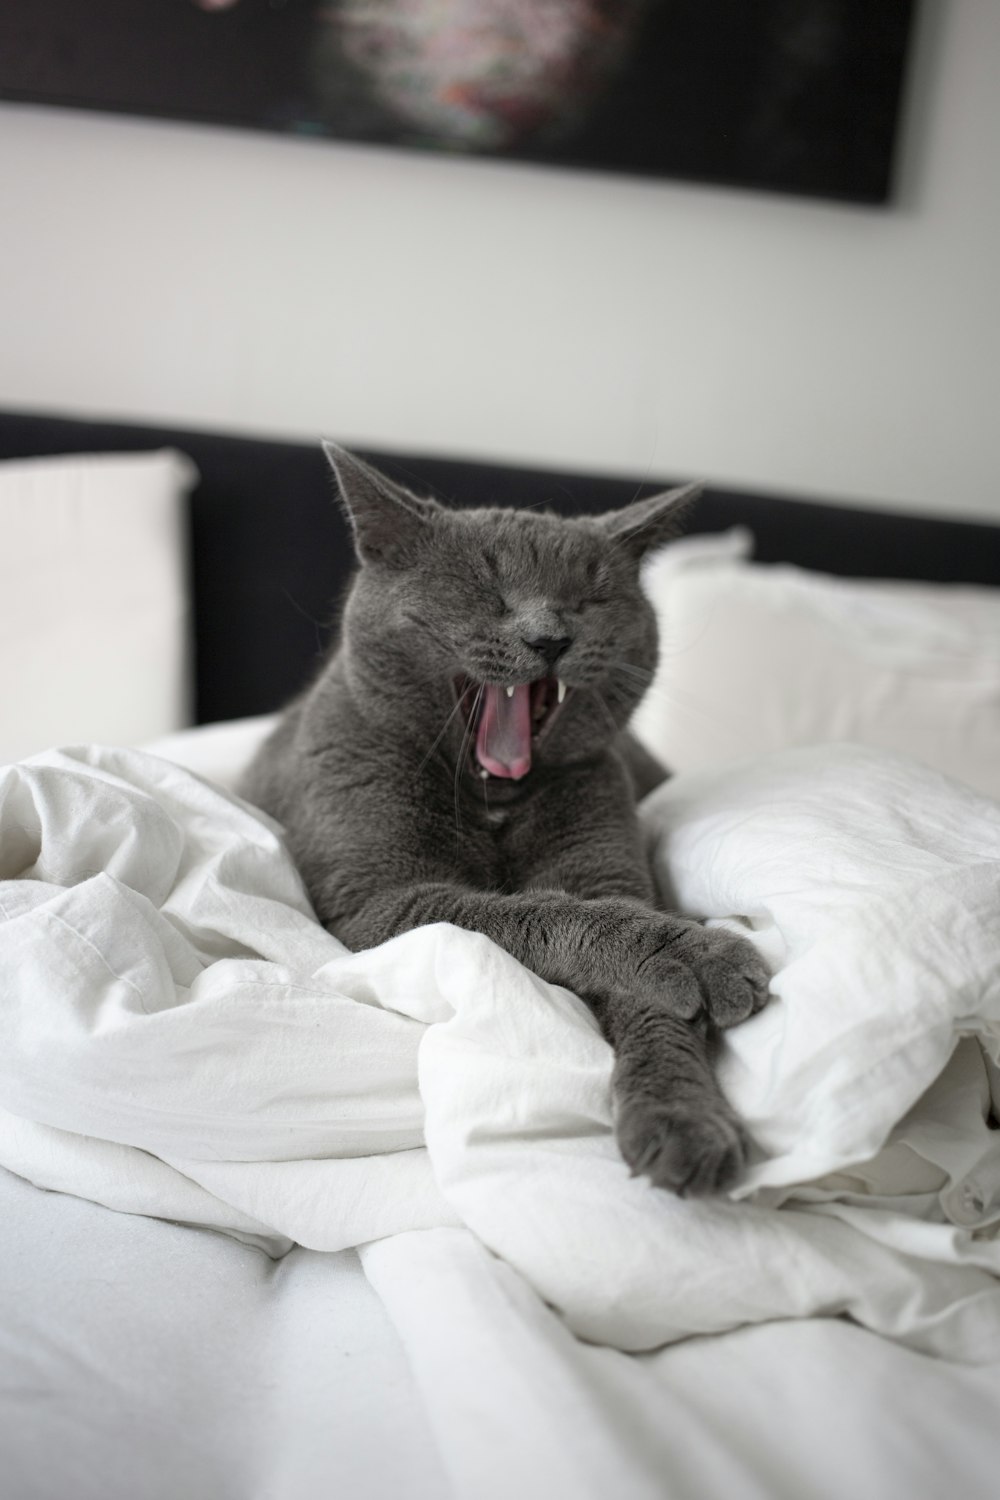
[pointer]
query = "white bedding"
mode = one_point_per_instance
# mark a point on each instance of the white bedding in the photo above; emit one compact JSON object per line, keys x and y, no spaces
{"x":180,"y":1039}
{"x":143,"y":1359}
{"x":140,"y":1360}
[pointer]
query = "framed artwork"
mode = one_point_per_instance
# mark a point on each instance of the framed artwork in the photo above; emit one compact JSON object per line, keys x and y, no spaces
{"x":798,"y":96}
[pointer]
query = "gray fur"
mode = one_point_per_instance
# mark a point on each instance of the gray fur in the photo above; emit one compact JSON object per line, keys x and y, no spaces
{"x":370,"y":772}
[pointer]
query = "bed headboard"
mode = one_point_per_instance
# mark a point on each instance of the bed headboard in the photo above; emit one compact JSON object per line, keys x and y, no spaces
{"x":270,"y":551}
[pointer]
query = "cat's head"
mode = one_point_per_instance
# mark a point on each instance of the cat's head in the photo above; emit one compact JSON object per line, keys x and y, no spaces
{"x":534,"y":624}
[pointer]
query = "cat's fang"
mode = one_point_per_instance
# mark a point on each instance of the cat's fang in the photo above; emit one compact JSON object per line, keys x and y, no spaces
{"x":510,"y":692}
{"x":561,"y":689}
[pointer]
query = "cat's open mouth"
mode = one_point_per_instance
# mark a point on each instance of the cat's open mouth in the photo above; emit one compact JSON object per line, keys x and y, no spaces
{"x":506,"y":723}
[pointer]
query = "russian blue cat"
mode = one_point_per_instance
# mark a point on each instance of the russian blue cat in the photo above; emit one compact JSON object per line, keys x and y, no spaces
{"x":462,"y":756}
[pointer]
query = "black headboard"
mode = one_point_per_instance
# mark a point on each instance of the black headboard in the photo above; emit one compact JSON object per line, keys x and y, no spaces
{"x":270,"y":551}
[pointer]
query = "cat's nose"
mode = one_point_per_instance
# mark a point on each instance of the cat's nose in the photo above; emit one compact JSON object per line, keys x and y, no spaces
{"x":551,"y":647}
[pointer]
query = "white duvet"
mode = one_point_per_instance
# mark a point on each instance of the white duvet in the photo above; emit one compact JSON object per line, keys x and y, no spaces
{"x":179,"y":1037}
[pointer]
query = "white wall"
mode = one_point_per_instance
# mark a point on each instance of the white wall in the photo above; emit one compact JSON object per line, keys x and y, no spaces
{"x":256,"y":283}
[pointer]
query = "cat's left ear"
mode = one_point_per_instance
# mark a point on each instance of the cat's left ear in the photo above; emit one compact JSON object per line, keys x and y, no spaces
{"x":647,"y":524}
{"x":388,"y":522}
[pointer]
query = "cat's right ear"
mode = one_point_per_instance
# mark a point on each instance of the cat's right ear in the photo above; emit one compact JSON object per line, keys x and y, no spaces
{"x":389,"y":524}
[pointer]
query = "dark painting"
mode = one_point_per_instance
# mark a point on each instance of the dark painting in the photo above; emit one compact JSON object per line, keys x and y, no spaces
{"x":797,"y":96}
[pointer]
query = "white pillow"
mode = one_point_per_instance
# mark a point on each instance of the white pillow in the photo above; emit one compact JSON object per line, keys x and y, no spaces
{"x":219,"y":752}
{"x":93,"y":599}
{"x":756,"y":658}
{"x":872,"y":888}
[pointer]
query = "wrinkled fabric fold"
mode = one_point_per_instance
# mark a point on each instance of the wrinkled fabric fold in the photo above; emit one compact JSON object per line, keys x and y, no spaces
{"x":179,"y":1037}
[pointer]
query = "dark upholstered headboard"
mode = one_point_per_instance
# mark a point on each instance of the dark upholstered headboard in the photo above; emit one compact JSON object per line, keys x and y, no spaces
{"x":270,"y":551}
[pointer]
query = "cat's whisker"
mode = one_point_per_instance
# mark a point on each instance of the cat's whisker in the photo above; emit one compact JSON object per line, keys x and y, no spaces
{"x":641,"y":674}
{"x":615,"y":727}
{"x":676,"y":697}
{"x":657,"y":515}
{"x":319,"y":625}
{"x":671,"y":646}
{"x":414,"y":619}
{"x":464,"y":749}
{"x":644,"y":480}
{"x":439,"y":737}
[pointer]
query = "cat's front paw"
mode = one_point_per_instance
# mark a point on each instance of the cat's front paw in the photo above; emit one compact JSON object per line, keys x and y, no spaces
{"x":732,"y":976}
{"x":680,"y":1148}
{"x":688,"y":970}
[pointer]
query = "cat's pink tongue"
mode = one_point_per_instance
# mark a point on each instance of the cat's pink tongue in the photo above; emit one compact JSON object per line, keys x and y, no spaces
{"x":503,"y":741}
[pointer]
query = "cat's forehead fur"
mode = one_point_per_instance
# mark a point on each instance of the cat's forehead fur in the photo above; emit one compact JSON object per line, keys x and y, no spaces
{"x":524,"y":540}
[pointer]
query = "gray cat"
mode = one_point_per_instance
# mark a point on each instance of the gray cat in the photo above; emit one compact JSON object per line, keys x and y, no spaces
{"x":462,"y":757}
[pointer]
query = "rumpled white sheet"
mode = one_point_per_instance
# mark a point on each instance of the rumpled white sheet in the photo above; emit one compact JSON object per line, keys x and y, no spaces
{"x":180,"y":1038}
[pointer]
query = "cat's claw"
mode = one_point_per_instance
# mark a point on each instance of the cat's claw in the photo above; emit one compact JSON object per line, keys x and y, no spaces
{"x":684,"y":1152}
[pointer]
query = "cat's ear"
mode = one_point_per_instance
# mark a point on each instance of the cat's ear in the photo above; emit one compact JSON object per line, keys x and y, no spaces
{"x":646,"y":524}
{"x":389,"y":523}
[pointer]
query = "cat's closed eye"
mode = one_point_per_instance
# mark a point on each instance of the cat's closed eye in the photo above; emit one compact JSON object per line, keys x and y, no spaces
{"x":489,"y":594}
{"x":487,"y":577}
{"x":493,"y":595}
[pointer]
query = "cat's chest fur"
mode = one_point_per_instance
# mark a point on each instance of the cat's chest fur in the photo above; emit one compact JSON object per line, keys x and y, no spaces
{"x":515,"y":842}
{"x":495,"y":841}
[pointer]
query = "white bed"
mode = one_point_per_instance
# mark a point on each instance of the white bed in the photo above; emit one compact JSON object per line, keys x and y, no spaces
{"x":153,"y":1358}
{"x":143,"y":1359}
{"x":239,"y":1259}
